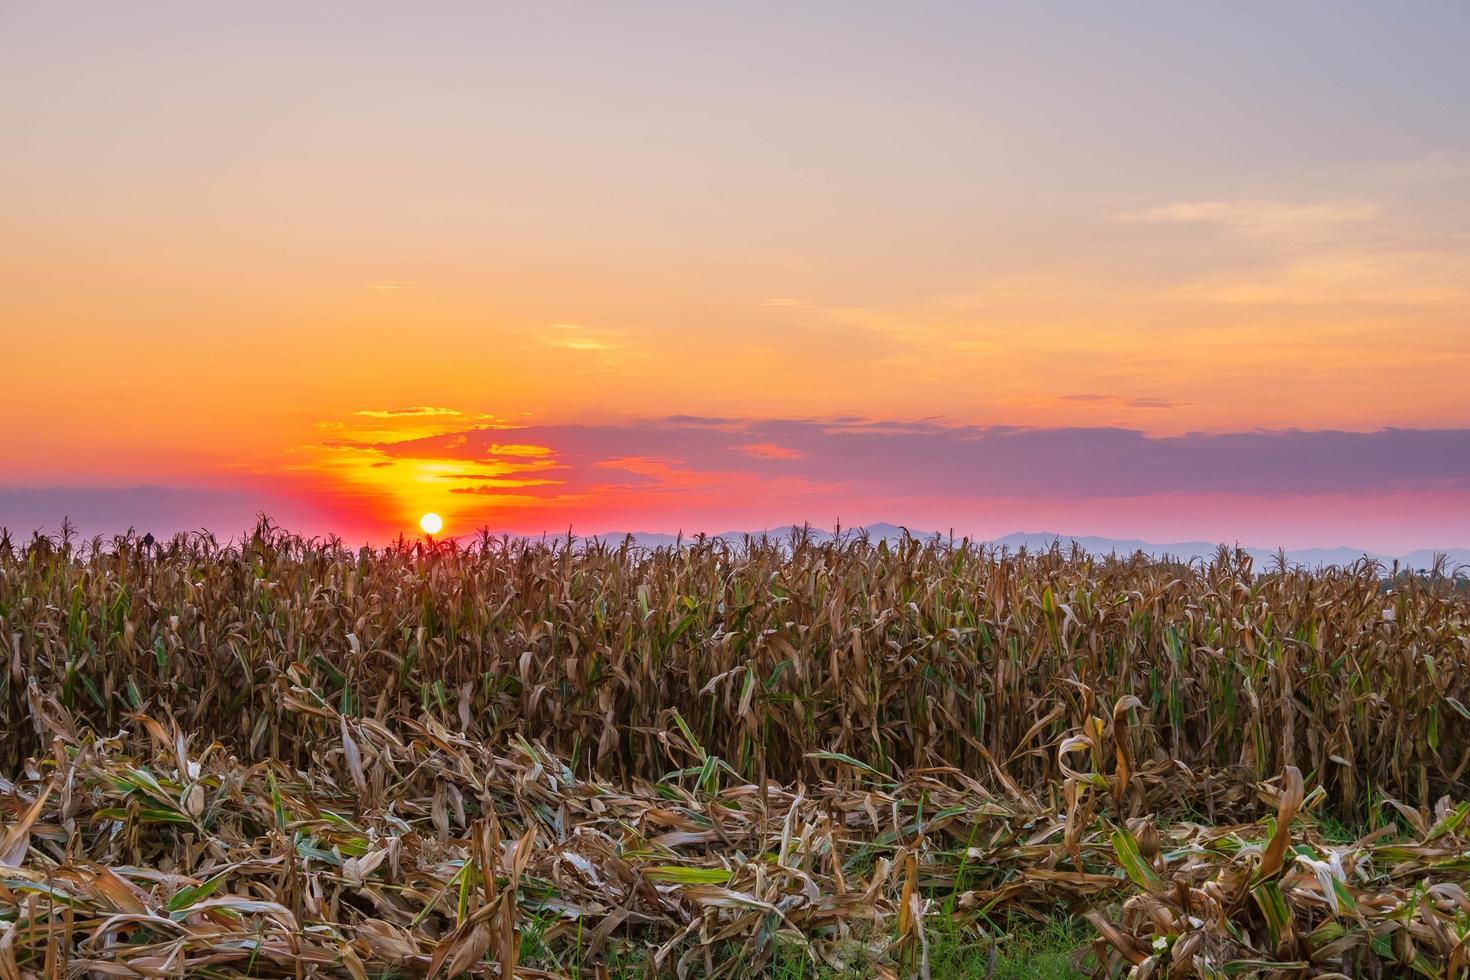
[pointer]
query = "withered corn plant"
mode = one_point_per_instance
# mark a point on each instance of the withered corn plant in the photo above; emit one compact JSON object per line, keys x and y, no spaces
{"x":505,"y":758}
{"x":910,"y":655}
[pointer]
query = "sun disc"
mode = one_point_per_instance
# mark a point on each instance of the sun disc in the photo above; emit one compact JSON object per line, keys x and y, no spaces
{"x":431,"y":523}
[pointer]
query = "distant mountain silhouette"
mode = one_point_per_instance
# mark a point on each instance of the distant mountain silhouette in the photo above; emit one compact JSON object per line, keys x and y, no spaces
{"x":1034,"y":541}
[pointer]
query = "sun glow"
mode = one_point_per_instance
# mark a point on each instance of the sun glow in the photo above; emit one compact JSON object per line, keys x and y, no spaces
{"x":431,"y":523}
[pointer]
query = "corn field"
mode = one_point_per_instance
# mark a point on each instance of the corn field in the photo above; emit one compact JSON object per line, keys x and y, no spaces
{"x":289,"y":757}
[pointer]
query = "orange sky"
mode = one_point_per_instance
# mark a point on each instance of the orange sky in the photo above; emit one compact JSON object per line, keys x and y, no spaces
{"x":228,"y":233}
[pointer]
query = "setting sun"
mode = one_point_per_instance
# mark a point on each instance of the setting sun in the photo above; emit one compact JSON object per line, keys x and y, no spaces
{"x":431,"y":523}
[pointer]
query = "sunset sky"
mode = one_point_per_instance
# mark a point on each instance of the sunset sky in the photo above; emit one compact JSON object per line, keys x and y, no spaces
{"x":1157,"y":270}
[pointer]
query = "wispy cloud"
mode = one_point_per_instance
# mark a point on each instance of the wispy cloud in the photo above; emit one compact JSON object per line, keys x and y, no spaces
{"x":1120,"y":401}
{"x":516,"y":449}
{"x":413,"y":411}
{"x":1360,"y":277}
{"x":575,"y":336}
{"x":769,"y":450}
{"x":1329,"y":253}
{"x":489,"y":487}
{"x":1429,"y":169}
{"x":1271,"y":221}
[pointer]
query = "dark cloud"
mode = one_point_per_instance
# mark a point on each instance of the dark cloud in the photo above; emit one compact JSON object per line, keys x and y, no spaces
{"x":161,"y":510}
{"x":817,"y":468}
{"x":929,"y":457}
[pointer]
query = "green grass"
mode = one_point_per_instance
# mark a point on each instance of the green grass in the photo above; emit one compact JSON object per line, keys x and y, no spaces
{"x":1028,"y":951}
